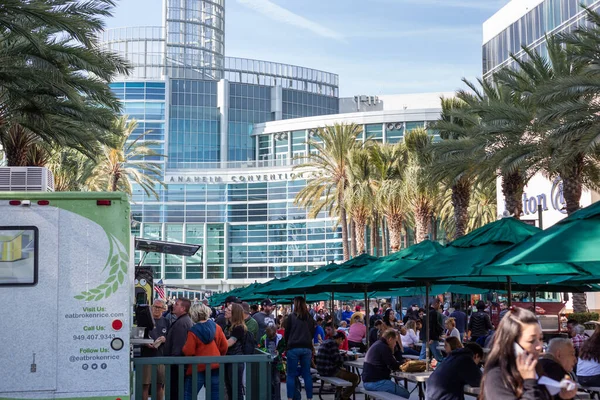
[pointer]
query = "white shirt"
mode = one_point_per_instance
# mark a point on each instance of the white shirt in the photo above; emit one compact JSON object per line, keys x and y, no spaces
{"x":587,"y":368}
{"x":455,"y":333}
{"x":409,"y":339}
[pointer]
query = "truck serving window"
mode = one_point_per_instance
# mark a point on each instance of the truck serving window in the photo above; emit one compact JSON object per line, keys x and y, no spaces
{"x":18,"y":255}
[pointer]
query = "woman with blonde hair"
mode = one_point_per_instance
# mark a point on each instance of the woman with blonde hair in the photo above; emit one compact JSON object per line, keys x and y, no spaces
{"x":206,"y":339}
{"x":451,"y":330}
{"x":235,"y":333}
{"x":409,"y":338}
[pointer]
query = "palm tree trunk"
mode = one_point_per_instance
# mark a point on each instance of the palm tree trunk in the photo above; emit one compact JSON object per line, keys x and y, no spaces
{"x":461,"y":194}
{"x":395,"y":228}
{"x":352,"y":238}
{"x":344,"y":222}
{"x":572,"y":188}
{"x":374,"y":235}
{"x":384,"y":237}
{"x":114,"y":182}
{"x":360,"y":225}
{"x":423,"y":215}
{"x":512,"y":189}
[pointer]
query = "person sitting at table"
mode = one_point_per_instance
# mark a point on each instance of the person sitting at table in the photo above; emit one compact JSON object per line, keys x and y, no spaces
{"x":389,"y":318}
{"x":557,"y":363}
{"x":357,"y":332}
{"x":452,"y":343}
{"x":409,"y":338}
{"x":379,"y":363}
{"x":330,"y":333}
{"x":460,"y":368}
{"x":451,"y":330}
{"x":376,"y":331}
{"x":588,"y":364}
{"x":329,"y":362}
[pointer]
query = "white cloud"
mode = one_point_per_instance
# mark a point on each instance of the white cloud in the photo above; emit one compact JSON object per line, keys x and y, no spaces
{"x":280,"y":14}
{"x":442,"y":32}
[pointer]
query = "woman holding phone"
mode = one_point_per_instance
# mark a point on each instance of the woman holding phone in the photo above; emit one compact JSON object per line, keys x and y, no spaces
{"x":510,"y":366}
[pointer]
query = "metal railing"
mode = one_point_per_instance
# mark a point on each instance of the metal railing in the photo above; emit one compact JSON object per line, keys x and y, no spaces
{"x":257,"y":368}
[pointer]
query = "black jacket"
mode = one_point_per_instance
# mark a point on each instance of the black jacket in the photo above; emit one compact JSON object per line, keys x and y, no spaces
{"x":451,"y":375}
{"x":299,"y":333}
{"x":379,"y":362}
{"x":177,"y":335}
{"x":435,"y":326}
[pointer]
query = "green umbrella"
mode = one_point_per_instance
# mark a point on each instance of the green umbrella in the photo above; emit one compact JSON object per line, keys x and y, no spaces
{"x":461,"y":260}
{"x":283,"y":285}
{"x":380,"y":274}
{"x":571,"y":246}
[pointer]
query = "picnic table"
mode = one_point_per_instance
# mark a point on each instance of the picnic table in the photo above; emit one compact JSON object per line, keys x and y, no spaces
{"x":420,"y":378}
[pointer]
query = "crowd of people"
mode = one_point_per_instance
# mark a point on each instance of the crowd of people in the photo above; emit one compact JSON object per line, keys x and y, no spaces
{"x":302,"y":337}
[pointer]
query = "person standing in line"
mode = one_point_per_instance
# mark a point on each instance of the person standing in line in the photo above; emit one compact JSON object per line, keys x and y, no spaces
{"x":510,"y":367}
{"x":250,"y":322}
{"x":176,"y":338}
{"x":235,"y":333}
{"x":299,"y":334}
{"x":461,"y":319}
{"x":435,"y":330}
{"x":480,"y":324}
{"x":205,"y":339}
{"x":221,"y":320}
{"x":265,"y":317}
{"x":159,"y":335}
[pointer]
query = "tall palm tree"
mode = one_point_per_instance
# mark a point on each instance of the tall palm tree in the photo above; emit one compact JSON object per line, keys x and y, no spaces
{"x":54,"y":75}
{"x":389,"y":162}
{"x":123,"y":164}
{"x":326,"y":190}
{"x":422,"y":191}
{"x":71,"y":170}
{"x":482,"y":209}
{"x":456,"y":169}
{"x":359,"y":196}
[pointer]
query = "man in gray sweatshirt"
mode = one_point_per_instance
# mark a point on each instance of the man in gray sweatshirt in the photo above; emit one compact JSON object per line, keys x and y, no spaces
{"x":176,"y":337}
{"x":264,"y":317}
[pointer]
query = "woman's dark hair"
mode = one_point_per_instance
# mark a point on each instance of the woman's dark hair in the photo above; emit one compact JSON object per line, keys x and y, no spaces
{"x":503,"y":354}
{"x":591,"y":348}
{"x":300,"y":308}
{"x":386,"y":316}
{"x":454,"y":342}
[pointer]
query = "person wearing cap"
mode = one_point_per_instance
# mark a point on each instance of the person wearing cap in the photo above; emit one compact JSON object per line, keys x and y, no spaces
{"x":250,"y":322}
{"x":265,"y":317}
{"x":221,"y":320}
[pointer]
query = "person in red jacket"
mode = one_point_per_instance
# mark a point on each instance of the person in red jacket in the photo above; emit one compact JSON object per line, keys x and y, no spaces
{"x":205,"y":338}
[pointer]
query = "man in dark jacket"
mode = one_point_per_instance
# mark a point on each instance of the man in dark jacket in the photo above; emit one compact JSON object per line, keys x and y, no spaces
{"x":379,"y":362}
{"x":435,"y":330}
{"x":460,"y":368}
{"x":329,"y":362}
{"x":557,"y":363}
{"x":461,"y":319}
{"x":176,"y":337}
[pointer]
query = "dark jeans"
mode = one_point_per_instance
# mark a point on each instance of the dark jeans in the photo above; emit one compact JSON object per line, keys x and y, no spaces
{"x":229,"y":381}
{"x":214,"y":385}
{"x":275,"y":383}
{"x":409,"y":351}
{"x":350,"y":377}
{"x":174,"y":390}
{"x":593,"y":380}
{"x":360,"y":345}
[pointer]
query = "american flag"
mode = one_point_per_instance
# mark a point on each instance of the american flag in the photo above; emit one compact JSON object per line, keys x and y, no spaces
{"x":158,"y":288}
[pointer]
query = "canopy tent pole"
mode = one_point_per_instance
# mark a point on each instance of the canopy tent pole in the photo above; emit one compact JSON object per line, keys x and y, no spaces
{"x":534,"y":293}
{"x":509,"y":290}
{"x":367,"y":314}
{"x":428,"y":312}
{"x":333,"y":312}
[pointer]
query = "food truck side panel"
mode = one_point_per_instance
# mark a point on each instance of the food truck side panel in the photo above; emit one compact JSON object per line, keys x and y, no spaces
{"x":91,"y":285}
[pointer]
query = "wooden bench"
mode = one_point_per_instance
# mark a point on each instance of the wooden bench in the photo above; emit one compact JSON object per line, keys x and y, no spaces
{"x":410,"y":357}
{"x":337,"y":383}
{"x":369,"y":394}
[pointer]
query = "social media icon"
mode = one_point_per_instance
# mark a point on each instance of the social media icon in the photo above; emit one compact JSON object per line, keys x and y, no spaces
{"x":94,"y":366}
{"x":85,"y":367}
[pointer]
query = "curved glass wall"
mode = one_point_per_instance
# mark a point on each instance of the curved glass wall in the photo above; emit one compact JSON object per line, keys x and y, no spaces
{"x":548,"y":17}
{"x":195,"y":39}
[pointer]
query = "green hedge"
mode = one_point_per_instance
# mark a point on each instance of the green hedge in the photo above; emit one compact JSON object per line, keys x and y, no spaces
{"x":584,"y":317}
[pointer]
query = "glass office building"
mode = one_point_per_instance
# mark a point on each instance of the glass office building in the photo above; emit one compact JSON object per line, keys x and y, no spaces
{"x":230,"y":128}
{"x":526,"y":23}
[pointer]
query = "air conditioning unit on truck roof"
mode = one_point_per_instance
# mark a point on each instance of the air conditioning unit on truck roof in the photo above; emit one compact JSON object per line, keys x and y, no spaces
{"x":26,"y":179}
{"x":65,"y":258}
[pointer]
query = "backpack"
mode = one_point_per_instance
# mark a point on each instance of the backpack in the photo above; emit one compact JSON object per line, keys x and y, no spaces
{"x":249,"y":343}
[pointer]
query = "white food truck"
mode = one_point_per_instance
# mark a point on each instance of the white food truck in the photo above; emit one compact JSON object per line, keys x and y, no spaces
{"x":66,"y":284}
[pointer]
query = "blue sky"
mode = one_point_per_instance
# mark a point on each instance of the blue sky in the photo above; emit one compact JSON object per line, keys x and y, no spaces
{"x":375,"y":46}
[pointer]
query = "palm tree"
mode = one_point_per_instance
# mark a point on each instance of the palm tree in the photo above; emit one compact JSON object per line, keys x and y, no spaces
{"x":389,"y":162}
{"x":53,"y":76}
{"x":482,"y":209}
{"x":359,"y":196}
{"x":123,"y":164}
{"x":71,"y":170}
{"x":456,"y":169}
{"x":422,"y":191}
{"x":326,"y":190}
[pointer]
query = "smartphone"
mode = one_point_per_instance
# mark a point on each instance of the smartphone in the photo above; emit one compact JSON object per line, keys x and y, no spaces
{"x":518,"y":349}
